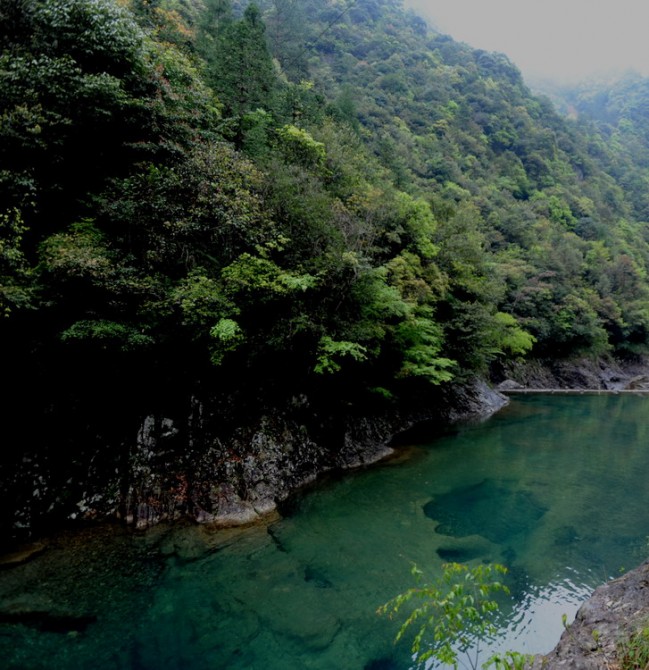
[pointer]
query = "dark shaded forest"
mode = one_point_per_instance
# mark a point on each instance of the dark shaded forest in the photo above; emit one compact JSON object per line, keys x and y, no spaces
{"x":293,"y":196}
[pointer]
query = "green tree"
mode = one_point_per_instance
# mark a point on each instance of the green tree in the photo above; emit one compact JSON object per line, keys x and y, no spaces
{"x":16,"y":291}
{"x":241,"y":69}
{"x":288,"y":29}
{"x":85,"y":94}
{"x":452,"y":614}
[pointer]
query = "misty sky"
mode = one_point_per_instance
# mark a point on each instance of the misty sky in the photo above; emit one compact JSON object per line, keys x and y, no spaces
{"x":559,"y":39}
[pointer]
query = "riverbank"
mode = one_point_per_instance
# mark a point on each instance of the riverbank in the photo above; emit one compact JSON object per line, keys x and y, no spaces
{"x":216,"y":464}
{"x":212,"y":461}
{"x":604,"y":623}
{"x":239,"y":479}
{"x":236,"y":478}
{"x":582,"y":374}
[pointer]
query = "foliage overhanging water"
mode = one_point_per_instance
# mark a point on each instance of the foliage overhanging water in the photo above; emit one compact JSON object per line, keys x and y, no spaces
{"x":553,"y":487}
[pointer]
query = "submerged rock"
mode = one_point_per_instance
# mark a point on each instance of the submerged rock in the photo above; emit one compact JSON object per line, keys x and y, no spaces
{"x":495,"y":510}
{"x":47,"y":622}
{"x":462,"y":554}
{"x":22,"y":554}
{"x":382,"y":664}
{"x":317,"y":578}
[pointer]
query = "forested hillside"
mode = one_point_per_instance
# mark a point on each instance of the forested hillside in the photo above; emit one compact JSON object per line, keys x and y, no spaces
{"x":299,"y":196}
{"x":618,"y":110}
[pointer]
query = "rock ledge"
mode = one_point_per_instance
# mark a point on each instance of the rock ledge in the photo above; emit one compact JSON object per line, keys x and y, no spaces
{"x":608,"y":617}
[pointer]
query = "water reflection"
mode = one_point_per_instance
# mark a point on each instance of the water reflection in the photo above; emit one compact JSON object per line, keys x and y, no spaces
{"x":535,"y":623}
{"x":553,"y":487}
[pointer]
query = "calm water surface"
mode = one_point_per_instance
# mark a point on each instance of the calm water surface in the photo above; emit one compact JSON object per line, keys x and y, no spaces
{"x":554,"y":487}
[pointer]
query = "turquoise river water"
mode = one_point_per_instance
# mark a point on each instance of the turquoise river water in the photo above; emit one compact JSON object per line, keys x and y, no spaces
{"x":554,"y":487}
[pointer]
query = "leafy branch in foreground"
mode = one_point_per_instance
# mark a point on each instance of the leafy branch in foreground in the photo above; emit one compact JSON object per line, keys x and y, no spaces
{"x":452,"y":614}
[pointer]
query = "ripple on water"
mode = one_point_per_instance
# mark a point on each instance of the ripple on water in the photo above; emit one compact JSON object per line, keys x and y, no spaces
{"x":536,"y":621}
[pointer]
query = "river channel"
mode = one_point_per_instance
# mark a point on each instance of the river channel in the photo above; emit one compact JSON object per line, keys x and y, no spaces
{"x":553,"y":487}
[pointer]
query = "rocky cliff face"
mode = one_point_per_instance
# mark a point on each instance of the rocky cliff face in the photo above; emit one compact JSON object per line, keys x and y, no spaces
{"x":203,"y":462}
{"x":233,"y":479}
{"x":585,"y":373}
{"x":215,"y":460}
{"x":602,"y":626}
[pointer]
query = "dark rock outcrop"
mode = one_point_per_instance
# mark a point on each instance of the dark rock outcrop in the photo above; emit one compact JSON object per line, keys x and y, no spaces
{"x":604,"y":374}
{"x":218,"y":463}
{"x":235,"y":479}
{"x":610,"y":617}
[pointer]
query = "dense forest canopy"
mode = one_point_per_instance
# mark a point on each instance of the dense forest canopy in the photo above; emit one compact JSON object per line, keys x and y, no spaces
{"x":295,"y":195}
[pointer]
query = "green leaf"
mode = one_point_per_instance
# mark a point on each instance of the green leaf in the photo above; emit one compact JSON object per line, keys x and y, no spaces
{"x":457,"y":609}
{"x":227,"y":336}
{"x":107,"y":335}
{"x":330,"y":353}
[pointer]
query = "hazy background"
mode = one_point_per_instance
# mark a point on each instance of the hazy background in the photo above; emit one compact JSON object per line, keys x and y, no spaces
{"x":562,"y":40}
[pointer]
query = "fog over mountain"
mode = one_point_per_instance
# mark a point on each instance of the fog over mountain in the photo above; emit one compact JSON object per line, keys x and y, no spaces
{"x":560,"y":40}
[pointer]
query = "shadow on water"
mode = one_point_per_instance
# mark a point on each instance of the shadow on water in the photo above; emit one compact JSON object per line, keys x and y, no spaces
{"x":495,"y":510}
